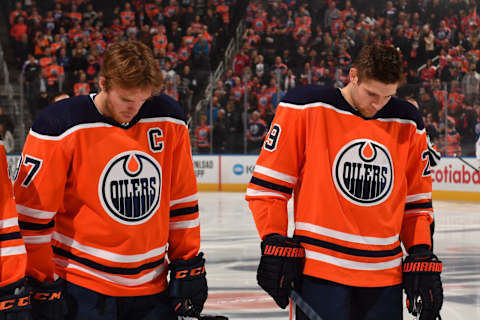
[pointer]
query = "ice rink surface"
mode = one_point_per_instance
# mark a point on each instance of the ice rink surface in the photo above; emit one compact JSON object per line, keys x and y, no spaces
{"x":232,"y":248}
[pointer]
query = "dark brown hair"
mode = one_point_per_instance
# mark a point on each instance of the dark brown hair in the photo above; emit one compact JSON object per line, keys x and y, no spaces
{"x":379,"y":62}
{"x":131,"y":65}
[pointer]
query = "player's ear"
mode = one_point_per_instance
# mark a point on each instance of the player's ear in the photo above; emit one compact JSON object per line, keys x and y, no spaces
{"x":353,"y":76}
{"x":102,"y":82}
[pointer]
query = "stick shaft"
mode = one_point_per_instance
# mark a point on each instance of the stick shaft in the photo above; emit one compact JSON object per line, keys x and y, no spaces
{"x":302,"y":304}
{"x":467,"y":163}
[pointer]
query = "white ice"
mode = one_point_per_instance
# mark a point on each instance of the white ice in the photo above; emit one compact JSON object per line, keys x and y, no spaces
{"x":231,"y":245}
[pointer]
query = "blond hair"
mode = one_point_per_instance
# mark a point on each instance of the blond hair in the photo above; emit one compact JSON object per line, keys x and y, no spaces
{"x":131,"y":65}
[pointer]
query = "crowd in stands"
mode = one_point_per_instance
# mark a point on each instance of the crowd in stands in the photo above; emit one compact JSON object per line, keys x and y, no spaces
{"x":59,"y":43}
{"x":286,"y":43}
{"x":290,"y":43}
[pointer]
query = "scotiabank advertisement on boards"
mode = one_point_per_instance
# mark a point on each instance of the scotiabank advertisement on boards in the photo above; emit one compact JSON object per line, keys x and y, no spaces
{"x":456,"y":175}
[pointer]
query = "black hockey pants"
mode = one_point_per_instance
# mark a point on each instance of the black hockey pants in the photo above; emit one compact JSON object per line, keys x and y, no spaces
{"x":85,"y":304}
{"x":334,"y":301}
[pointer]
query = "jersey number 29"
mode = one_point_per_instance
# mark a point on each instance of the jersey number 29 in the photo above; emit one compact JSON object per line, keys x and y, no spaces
{"x":272,"y":139}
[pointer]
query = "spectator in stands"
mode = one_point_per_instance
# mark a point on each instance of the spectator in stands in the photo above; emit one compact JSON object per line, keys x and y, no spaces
{"x":465,"y":125}
{"x":54,"y":75}
{"x":240,"y":61}
{"x":202,"y":135}
{"x":471,"y":84}
{"x":428,"y":72}
{"x":257,"y":130}
{"x":234,"y":126}
{"x":219,"y":132}
{"x":17,"y":13}
{"x":18,"y":32}
{"x":81,"y":87}
{"x":31,"y":72}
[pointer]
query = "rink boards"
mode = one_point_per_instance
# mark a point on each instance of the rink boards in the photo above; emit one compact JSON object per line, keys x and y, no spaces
{"x":452,"y":178}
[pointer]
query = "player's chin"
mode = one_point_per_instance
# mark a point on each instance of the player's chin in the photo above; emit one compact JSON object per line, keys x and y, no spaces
{"x":125,"y":117}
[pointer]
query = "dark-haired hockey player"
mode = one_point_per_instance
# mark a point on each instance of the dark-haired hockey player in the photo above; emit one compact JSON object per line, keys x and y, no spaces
{"x":356,"y":161}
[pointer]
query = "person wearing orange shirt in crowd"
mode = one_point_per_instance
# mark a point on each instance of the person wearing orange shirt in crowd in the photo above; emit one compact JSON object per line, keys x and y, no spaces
{"x":74,"y":14}
{"x":152,"y":10}
{"x":188,"y":39}
{"x":137,"y":192}
{"x":81,"y":87}
{"x":160,"y":40}
{"x":18,"y":12}
{"x":455,"y":98}
{"x":238,"y":90}
{"x":428,"y":72}
{"x":224,"y":11}
{"x":264,"y":105}
{"x":183,"y":52}
{"x":240,"y":61}
{"x":453,"y":146}
{"x":54,"y":73}
{"x":92,"y":69}
{"x":171,"y":54}
{"x":19,"y":29}
{"x":171,"y":11}
{"x":202,"y":135}
{"x":14,"y":295}
{"x":46,"y":60}
{"x":355,"y":160}
{"x":127,"y":16}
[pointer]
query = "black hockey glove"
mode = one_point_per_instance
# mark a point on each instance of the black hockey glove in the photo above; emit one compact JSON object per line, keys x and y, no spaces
{"x":422,"y":283}
{"x":188,"y":289}
{"x":48,"y":301}
{"x":280,"y":267}
{"x":15,"y":301}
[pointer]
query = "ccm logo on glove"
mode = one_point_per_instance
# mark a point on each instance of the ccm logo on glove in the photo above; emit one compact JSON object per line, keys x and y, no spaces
{"x":190,"y":272}
{"x":48,"y":296}
{"x":11,"y":303}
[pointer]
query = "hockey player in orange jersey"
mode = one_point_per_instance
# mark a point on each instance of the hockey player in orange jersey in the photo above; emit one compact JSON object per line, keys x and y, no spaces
{"x":356,"y":161}
{"x":14,"y":297}
{"x":107,"y":200}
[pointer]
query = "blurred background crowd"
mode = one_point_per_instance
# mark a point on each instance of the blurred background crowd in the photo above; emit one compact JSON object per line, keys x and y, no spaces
{"x":229,"y":62}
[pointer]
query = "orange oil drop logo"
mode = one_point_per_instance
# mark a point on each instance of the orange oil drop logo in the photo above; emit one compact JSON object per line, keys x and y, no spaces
{"x":367,"y":151}
{"x":132,"y":165}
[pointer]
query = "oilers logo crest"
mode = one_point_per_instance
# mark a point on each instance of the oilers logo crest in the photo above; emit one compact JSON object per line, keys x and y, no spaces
{"x":363,"y":172}
{"x":130,"y":187}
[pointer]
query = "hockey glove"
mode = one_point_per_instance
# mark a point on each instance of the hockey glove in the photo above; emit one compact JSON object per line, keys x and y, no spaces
{"x":15,"y":302}
{"x":188,"y":289}
{"x":422,"y":283}
{"x":48,"y":301}
{"x":280,"y":267}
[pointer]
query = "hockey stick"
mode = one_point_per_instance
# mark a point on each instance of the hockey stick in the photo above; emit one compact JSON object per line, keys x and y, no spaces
{"x":467,"y":163}
{"x":302,"y":304}
{"x":205,"y":317}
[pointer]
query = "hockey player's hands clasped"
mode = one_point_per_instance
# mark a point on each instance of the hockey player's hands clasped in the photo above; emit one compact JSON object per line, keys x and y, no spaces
{"x":422,"y":284}
{"x":280,"y":267}
{"x":188,"y":289}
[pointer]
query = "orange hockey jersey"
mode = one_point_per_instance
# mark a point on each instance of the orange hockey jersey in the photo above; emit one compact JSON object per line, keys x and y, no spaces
{"x":361,"y":186}
{"x":13,"y":259}
{"x":103,"y":203}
